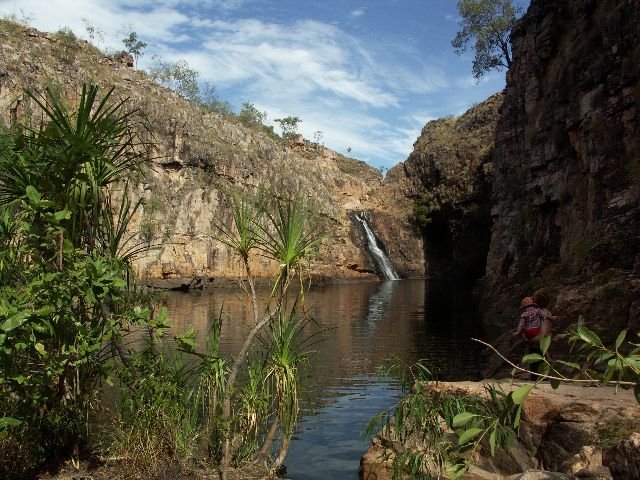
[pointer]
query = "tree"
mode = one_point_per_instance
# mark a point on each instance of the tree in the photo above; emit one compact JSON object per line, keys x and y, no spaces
{"x":134,"y":46}
{"x":288,"y":125}
{"x":208,"y":98}
{"x":489,"y":22}
{"x":95,"y":34}
{"x":178,"y":76}
{"x":250,"y":116}
{"x":68,"y":45}
{"x":285,"y":229}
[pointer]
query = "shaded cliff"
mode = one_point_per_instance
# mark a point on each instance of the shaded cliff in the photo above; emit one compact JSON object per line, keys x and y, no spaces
{"x":196,"y":156}
{"x":566,"y":190}
{"x":450,"y":171}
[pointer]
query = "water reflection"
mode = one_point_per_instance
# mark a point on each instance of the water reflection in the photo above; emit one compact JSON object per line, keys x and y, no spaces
{"x":378,"y":302}
{"x":367,"y":324}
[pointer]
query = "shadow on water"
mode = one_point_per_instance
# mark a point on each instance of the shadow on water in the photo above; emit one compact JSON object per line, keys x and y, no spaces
{"x":368,"y":323}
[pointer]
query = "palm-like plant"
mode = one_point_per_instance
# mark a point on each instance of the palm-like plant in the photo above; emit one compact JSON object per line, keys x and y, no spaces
{"x":285,"y":231}
{"x":289,"y":236}
{"x":72,"y":158}
{"x":286,"y":347}
{"x":55,"y":179}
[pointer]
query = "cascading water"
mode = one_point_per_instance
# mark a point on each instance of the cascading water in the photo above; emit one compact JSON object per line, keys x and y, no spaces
{"x":378,"y":255}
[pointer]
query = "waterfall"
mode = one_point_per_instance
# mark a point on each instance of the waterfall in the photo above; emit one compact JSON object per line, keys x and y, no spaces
{"x":378,"y":255}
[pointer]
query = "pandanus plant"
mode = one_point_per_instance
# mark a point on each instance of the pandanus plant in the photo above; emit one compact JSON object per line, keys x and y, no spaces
{"x":72,"y":158}
{"x":285,"y":230}
{"x":72,"y":245}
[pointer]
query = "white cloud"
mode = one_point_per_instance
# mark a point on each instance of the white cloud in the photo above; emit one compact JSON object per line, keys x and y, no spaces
{"x":306,"y":56}
{"x":358,"y":12}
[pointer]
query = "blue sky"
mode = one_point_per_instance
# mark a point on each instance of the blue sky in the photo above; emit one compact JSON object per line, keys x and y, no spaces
{"x":367,"y":74}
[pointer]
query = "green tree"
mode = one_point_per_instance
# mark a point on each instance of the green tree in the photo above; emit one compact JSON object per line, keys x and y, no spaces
{"x":208,"y":98}
{"x":95,"y":34}
{"x":68,"y":44}
{"x":288,"y":125}
{"x":134,"y":46}
{"x":286,"y":230}
{"x":250,"y":116}
{"x":489,"y":23}
{"x":178,"y":76}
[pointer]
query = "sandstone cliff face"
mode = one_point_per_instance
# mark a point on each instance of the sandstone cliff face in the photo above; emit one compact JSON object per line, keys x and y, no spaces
{"x":198,"y":155}
{"x":450,"y":171}
{"x":566,"y":169}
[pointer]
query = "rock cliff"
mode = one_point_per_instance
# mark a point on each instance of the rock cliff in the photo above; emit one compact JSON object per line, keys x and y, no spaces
{"x":450,"y":171}
{"x":196,"y":156}
{"x":566,"y":169}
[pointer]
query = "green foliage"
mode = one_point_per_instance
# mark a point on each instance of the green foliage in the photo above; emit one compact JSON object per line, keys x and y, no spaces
{"x":286,"y":353}
{"x":422,"y":209}
{"x":178,"y":76}
{"x":612,"y":429}
{"x":290,"y":236}
{"x":593,"y":361}
{"x":184,"y":80}
{"x":156,"y":425}
{"x":63,"y":267}
{"x":621,"y":362}
{"x":134,"y":46}
{"x":68,"y":43}
{"x":21,"y":18}
{"x":444,"y":425}
{"x":251,"y":117}
{"x":285,"y":230}
{"x":95,"y":34}
{"x":242,"y":236}
{"x":208,"y":98}
{"x":489,"y":23}
{"x":288,"y":125}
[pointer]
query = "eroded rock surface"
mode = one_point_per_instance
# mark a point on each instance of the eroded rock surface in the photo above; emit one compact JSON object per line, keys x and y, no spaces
{"x":450,"y":178}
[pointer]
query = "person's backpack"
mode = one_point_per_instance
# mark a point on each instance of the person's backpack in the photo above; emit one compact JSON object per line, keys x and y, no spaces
{"x":531,"y":318}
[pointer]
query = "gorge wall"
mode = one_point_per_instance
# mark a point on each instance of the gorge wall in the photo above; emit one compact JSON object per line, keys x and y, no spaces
{"x":539,"y":187}
{"x":196,"y":156}
{"x":566,"y":169}
{"x":450,"y":171}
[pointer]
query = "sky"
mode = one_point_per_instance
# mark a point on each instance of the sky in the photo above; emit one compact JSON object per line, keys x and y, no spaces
{"x":367,"y":74}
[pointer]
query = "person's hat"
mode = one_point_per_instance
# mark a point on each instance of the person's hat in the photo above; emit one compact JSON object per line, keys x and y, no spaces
{"x":527,"y":302}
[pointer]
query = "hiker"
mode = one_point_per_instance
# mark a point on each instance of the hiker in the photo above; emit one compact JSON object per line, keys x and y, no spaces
{"x":531,"y":322}
{"x":532,"y":319}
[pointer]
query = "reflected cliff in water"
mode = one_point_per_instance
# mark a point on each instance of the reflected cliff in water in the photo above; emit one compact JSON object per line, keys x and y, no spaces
{"x":367,"y":323}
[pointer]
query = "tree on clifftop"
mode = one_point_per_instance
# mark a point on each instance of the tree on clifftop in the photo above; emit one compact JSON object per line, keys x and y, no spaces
{"x":288,"y":125}
{"x":489,"y":22}
{"x":134,"y":46}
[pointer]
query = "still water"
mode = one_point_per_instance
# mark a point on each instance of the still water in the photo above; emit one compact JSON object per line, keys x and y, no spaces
{"x":367,"y":323}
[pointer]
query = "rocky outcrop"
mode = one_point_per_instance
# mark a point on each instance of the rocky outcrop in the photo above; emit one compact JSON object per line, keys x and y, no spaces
{"x":566,"y":169}
{"x":197,"y":155}
{"x":450,"y":173}
{"x":584,"y":432}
